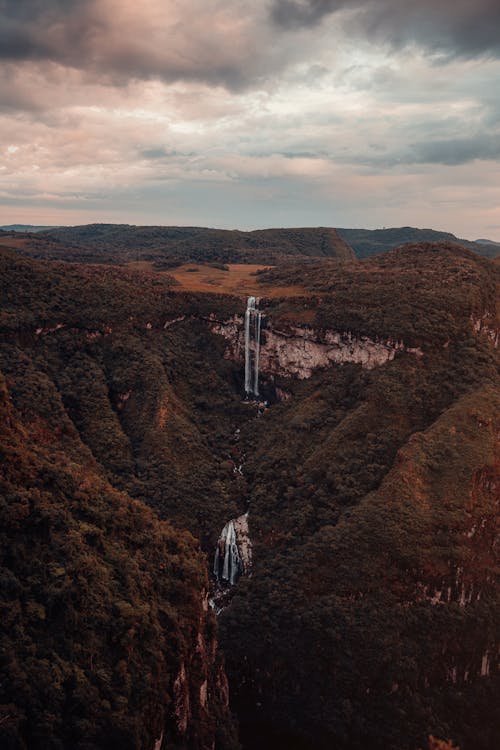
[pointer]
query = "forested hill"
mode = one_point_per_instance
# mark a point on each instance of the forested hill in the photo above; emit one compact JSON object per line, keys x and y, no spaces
{"x":167,"y":246}
{"x":106,"y":638}
{"x":370,"y":618}
{"x":368,"y":242}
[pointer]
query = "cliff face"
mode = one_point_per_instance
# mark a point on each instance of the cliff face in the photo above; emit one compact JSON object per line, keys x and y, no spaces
{"x":487,"y":325}
{"x":200,"y":693}
{"x":298,"y":351}
{"x":449,"y":476}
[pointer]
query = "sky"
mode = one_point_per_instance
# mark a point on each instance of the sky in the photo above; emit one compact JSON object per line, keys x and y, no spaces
{"x":251,"y":113}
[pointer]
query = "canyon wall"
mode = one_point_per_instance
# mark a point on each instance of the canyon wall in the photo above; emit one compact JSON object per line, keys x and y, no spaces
{"x":297,"y":351}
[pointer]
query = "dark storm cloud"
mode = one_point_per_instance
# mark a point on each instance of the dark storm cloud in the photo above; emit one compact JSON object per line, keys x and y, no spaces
{"x":212,"y":42}
{"x":56,"y":30}
{"x":234,"y":43}
{"x":462,"y":28}
{"x":156,"y":153}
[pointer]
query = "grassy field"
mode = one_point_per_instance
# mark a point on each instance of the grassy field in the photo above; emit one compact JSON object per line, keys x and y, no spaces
{"x":240,"y":280}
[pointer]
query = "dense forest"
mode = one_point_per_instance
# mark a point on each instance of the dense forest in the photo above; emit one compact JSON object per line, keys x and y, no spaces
{"x":167,"y":247}
{"x":371,"y":615}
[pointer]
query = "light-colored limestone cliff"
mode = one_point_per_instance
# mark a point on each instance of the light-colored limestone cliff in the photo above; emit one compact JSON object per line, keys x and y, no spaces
{"x":299,"y":351}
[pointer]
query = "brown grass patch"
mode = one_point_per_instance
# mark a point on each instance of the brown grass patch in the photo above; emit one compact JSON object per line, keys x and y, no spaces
{"x":13,"y":241}
{"x":240,"y":280}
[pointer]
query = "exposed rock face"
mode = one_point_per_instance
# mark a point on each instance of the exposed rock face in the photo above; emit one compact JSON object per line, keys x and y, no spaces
{"x":200,"y":691}
{"x":244,"y":542}
{"x":299,"y":351}
{"x":485,"y":324}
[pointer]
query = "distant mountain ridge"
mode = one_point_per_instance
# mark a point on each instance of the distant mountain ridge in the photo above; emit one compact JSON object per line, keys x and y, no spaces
{"x":318,"y":242}
{"x":369,"y":242}
{"x":168,"y":246}
{"x":27,"y":227}
{"x":487,"y":242}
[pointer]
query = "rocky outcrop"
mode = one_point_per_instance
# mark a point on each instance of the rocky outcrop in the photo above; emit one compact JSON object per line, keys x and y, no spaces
{"x":299,"y":351}
{"x":233,"y":554}
{"x":485,"y":325}
{"x":200,"y":691}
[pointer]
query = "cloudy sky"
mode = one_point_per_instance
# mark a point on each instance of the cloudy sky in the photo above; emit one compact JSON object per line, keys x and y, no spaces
{"x":251,"y":113}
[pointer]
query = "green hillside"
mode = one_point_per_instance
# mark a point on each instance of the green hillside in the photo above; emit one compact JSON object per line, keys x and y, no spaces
{"x":370,"y":619}
{"x":173,"y":245}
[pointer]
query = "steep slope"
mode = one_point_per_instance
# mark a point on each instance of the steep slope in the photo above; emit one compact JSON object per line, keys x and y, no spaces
{"x":105,"y":636}
{"x":427,"y":293}
{"x":374,"y":495}
{"x":379,"y":609}
{"x":149,"y":399}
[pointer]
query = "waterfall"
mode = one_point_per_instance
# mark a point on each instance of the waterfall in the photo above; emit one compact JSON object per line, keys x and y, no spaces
{"x":258,"y":316}
{"x":252,"y":347}
{"x":227,"y":564}
{"x":233,"y":554}
{"x":248,"y":354}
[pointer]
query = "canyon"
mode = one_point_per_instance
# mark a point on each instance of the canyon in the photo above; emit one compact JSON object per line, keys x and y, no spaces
{"x":271,"y":532}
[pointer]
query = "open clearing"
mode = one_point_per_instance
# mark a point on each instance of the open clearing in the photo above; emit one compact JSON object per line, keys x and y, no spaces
{"x":240,"y":280}
{"x":12,"y":241}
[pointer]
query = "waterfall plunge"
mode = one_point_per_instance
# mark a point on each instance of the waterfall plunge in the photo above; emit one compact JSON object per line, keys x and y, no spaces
{"x":228,"y":565}
{"x":253,"y":318}
{"x":233,"y":554}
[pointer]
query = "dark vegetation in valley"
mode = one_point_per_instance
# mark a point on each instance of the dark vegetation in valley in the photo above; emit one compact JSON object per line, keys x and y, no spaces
{"x":103,"y":605}
{"x":372,"y":607}
{"x":371,"y":492}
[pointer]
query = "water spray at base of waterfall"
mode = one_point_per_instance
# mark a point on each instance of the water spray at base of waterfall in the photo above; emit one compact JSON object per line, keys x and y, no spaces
{"x":253,"y":322}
